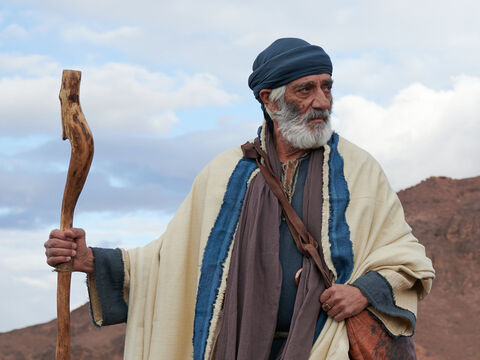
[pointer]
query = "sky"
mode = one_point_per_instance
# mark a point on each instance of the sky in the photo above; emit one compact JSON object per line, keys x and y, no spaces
{"x":164,"y":89}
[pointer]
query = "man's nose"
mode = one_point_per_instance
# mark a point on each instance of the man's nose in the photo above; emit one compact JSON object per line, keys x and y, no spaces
{"x":321,"y":101}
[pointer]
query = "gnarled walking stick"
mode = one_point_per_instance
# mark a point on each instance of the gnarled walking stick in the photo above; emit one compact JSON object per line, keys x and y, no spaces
{"x":76,"y":129}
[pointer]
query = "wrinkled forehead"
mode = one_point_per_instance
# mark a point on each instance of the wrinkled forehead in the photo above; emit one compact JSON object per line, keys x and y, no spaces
{"x":316,"y":79}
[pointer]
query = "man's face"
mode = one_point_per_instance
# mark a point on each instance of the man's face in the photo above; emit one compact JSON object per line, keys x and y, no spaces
{"x":303,"y":115}
{"x":313,"y":92}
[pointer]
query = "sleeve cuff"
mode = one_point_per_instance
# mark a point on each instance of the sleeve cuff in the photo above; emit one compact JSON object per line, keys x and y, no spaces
{"x":379,"y":293}
{"x":106,"y":288}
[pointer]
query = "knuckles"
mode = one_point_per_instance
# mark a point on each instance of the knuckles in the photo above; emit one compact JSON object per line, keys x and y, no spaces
{"x":56,"y":233}
{"x":52,"y":243}
{"x":69,"y":234}
{"x":76,"y":232}
{"x":51,"y":262}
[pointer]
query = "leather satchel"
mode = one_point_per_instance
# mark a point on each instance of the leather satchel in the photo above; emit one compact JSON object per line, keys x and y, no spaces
{"x":367,"y":337}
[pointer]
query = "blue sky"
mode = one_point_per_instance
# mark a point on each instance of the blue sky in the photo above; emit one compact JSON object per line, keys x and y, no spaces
{"x":164,"y":89}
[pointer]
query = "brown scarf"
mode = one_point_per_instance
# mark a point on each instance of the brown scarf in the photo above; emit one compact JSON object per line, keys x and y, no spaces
{"x":255,"y":274}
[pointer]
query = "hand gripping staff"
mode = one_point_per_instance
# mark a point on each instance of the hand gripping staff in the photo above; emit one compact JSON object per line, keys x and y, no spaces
{"x":76,"y":129}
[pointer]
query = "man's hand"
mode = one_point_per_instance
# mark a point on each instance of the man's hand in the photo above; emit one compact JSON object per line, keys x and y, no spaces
{"x":62,"y":246}
{"x":343,"y":301}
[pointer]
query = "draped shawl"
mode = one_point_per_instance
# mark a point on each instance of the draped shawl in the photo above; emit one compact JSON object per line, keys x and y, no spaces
{"x":175,"y":286}
{"x":255,"y":276}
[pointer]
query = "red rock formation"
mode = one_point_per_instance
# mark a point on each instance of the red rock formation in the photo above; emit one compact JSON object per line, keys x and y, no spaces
{"x":445,"y":216}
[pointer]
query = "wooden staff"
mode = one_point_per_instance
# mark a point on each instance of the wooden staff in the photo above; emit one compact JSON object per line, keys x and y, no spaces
{"x":76,"y":129}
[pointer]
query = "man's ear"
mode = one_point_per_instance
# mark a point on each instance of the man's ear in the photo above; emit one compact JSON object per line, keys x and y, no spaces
{"x":265,"y":97}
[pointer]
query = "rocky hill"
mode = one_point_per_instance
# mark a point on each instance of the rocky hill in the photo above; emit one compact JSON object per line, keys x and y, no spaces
{"x":445,"y":216}
{"x":88,"y":341}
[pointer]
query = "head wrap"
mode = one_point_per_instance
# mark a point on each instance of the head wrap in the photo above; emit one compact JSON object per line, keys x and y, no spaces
{"x":286,"y":60}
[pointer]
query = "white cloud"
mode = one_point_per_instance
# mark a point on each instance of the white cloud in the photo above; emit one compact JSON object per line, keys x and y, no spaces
{"x":384,"y":46}
{"x":119,"y":35}
{"x":422,"y":133}
{"x":115,"y":97}
{"x":131,"y":99}
{"x":32,"y":65}
{"x":29,"y":105}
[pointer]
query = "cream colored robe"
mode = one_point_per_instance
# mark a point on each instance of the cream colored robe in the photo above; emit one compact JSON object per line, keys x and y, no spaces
{"x":161,"y":279}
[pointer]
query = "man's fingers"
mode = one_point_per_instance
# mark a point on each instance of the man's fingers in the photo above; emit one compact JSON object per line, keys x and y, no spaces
{"x":54,"y":252}
{"x":62,"y":246}
{"x":57,"y":234}
{"x":339,"y":313}
{"x":58,"y":243}
{"x":75,"y":233}
{"x":60,"y":235}
{"x":340,"y":316}
{"x":343,"y":301}
{"x":69,"y":234}
{"x":336,"y":309}
{"x":54,"y":261}
{"x":326,"y":295}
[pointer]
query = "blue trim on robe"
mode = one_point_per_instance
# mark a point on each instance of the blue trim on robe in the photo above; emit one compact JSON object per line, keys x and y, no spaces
{"x":216,"y":252}
{"x":341,"y":248}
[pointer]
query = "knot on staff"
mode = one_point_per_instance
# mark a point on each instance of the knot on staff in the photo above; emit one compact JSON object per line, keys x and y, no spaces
{"x":77,"y":131}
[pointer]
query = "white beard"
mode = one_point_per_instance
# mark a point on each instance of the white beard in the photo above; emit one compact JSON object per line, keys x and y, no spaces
{"x":298,"y":131}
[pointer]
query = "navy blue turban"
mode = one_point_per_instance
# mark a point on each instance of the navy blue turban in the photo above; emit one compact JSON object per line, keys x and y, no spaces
{"x":286,"y":60}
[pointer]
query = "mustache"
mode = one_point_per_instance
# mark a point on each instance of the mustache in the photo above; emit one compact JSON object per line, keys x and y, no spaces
{"x":292,"y":111}
{"x":317,"y":114}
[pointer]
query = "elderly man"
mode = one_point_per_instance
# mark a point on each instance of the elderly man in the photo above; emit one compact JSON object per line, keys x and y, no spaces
{"x":226,"y":280}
